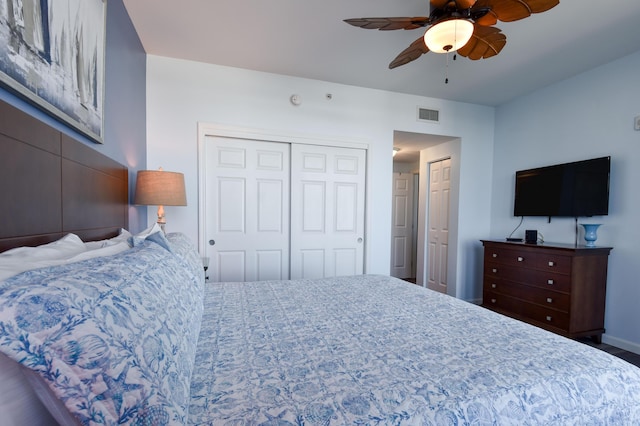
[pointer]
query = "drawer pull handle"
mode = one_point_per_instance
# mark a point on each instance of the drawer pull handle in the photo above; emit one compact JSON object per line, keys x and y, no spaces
{"x":549,"y":318}
{"x":552,"y":263}
{"x":495,"y":255}
{"x":493,"y":286}
{"x":520,"y":258}
{"x":493,"y":300}
{"x":494,"y":270}
{"x":549,"y":300}
{"x":550,"y":282}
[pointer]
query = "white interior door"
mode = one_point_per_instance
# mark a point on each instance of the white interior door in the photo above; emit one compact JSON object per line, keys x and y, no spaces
{"x":247,"y":209}
{"x":327,"y":211}
{"x":438,"y":224}
{"x":402,"y":225}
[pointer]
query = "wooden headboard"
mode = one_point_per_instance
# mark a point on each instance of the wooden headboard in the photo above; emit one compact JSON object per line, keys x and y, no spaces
{"x":51,"y":185}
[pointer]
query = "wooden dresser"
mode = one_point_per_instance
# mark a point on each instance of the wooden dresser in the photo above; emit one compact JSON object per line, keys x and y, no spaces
{"x":558,"y":287}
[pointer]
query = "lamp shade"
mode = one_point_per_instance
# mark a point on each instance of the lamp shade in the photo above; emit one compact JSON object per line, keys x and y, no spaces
{"x":160,"y":188}
{"x":448,"y":35}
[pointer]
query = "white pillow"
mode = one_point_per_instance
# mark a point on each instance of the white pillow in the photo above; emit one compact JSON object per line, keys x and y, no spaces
{"x":90,"y":254}
{"x":69,"y":245}
{"x":55,"y":407}
{"x":150,"y":230}
{"x":153,"y":233}
{"x":124,"y":235}
{"x":19,"y":403}
{"x":21,"y":259}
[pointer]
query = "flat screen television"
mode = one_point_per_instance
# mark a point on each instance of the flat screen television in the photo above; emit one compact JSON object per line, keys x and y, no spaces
{"x":577,"y":189}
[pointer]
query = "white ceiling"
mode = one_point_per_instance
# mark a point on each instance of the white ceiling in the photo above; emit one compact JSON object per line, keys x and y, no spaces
{"x":308,"y":39}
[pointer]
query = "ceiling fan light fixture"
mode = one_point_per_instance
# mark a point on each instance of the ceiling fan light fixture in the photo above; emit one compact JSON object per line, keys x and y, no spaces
{"x":448,"y":35}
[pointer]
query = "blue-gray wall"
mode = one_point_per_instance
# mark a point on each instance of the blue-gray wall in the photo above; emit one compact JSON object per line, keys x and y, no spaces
{"x":586,"y":116}
{"x":125,"y":102}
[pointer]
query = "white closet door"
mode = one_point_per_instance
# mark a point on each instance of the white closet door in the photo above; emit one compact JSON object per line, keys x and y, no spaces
{"x":438,"y":234}
{"x":402,"y":226}
{"x":327,"y":211}
{"x":247,"y":209}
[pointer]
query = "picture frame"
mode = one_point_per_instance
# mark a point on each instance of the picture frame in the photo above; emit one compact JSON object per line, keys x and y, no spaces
{"x":52,"y":54}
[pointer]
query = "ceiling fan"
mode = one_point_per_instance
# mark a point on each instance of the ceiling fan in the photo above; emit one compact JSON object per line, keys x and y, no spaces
{"x":465,"y":26}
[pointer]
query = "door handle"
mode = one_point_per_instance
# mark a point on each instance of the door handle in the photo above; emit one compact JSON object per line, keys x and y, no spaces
{"x":212,"y":242}
{"x":360,"y":240}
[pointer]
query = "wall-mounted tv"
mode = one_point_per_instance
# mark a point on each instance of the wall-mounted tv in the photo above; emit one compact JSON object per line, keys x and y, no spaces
{"x":577,"y":189}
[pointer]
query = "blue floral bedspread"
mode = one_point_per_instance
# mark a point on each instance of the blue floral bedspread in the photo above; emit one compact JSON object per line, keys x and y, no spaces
{"x":113,"y":337}
{"x":137,"y":338}
{"x":372,"y":350}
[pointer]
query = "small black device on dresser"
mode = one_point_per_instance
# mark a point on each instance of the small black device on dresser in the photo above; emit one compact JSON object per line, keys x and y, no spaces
{"x":531,"y":236}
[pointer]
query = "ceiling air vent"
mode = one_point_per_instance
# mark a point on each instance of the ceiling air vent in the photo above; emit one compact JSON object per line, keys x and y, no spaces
{"x":429,"y":115}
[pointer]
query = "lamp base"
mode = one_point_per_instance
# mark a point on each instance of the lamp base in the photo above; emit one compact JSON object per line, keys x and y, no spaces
{"x":161,"y":219}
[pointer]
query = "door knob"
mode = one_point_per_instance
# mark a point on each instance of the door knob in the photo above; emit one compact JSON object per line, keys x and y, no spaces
{"x":212,"y":242}
{"x":359,"y":240}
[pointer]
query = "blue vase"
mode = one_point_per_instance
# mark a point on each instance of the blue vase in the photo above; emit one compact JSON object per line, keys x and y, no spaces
{"x":590,"y":233}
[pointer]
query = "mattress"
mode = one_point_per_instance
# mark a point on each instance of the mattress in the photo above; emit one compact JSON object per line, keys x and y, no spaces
{"x":377,"y":350}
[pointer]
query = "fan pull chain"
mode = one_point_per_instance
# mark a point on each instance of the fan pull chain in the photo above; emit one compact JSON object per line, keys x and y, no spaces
{"x":455,"y":55}
{"x":446,"y":70}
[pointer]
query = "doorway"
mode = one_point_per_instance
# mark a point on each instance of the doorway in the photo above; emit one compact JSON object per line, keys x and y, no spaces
{"x":403,"y":228}
{"x":421,"y":150}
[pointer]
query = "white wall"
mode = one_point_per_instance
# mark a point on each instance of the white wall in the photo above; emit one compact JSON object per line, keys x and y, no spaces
{"x":406,"y":167}
{"x":182,"y":93}
{"x":587,"y":116}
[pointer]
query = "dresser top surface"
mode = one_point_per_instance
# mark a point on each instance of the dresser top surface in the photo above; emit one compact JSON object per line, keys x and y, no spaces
{"x":556,"y":246}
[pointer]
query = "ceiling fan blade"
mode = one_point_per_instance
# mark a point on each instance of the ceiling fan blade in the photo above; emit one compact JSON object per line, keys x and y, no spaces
{"x":411,"y":53}
{"x":465,"y":4}
{"x":539,"y":6}
{"x":439,"y":4}
{"x":511,"y":10}
{"x":484,"y":43}
{"x":460,"y":4}
{"x":386,"y":24}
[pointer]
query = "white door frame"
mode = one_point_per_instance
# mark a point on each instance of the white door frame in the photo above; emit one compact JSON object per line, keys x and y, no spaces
{"x":452,"y":150}
{"x":212,"y":129}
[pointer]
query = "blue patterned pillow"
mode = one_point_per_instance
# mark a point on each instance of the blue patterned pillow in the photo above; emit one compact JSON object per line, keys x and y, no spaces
{"x":153,"y":233}
{"x":113,"y":337}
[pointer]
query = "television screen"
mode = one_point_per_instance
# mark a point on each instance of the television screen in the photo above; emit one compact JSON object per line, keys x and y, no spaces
{"x":575,"y":189}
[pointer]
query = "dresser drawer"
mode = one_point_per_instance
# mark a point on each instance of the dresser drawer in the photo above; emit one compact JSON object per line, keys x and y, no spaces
{"x":543,"y":279}
{"x":526,"y":310}
{"x":537,"y":295}
{"x":544,"y":260}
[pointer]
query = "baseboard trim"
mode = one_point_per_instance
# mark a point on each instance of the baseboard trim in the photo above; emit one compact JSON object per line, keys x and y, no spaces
{"x":621,"y":343}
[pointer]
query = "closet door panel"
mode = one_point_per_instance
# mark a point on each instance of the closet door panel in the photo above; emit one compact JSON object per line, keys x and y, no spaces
{"x":247,"y":209}
{"x":327,"y":211}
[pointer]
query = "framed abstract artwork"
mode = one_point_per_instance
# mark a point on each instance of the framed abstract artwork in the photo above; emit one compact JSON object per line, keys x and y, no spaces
{"x":52,"y":54}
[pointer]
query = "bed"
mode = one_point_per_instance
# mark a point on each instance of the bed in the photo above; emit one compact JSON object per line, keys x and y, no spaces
{"x":97,"y":335}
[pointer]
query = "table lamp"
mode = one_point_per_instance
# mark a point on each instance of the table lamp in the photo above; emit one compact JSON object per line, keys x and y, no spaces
{"x":160,"y":188}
